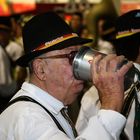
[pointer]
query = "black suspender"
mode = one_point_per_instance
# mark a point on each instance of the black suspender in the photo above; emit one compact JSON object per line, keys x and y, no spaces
{"x":129,"y":99}
{"x":127,"y":105}
{"x":27,"y":98}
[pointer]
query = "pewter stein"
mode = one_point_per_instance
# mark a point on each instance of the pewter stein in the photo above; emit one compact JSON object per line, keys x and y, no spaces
{"x":83,"y":59}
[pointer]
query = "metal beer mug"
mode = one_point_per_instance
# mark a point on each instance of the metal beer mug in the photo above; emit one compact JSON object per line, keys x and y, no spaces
{"x":82,"y":60}
{"x":81,"y":63}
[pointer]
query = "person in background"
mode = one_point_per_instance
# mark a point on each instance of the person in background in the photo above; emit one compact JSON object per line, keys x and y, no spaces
{"x":15,"y":49}
{"x":39,"y":108}
{"x":106,"y":31}
{"x":127,"y":43}
{"x":76,"y":22}
{"x":7,"y":84}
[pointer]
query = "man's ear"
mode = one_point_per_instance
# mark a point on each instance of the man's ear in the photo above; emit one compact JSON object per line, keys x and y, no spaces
{"x":38,"y":67}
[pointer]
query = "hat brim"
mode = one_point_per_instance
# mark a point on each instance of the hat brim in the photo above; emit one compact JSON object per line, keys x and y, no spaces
{"x":24,"y":60}
{"x":134,"y":36}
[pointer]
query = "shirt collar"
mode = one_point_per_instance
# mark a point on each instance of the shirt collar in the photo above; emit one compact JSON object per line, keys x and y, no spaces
{"x":42,"y":97}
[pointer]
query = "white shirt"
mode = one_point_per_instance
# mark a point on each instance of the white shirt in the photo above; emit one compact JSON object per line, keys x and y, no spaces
{"x":14,"y":50}
{"x":105,"y":46}
{"x":29,"y":121}
{"x":90,"y":106}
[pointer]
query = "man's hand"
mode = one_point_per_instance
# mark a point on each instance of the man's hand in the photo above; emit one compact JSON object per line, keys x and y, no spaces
{"x":109,"y":80}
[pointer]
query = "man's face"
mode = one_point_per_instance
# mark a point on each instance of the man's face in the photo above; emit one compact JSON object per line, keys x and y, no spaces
{"x":75,"y":21}
{"x":60,"y":81}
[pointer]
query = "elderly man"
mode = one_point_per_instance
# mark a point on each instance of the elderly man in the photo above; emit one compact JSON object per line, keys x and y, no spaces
{"x":37,"y":111}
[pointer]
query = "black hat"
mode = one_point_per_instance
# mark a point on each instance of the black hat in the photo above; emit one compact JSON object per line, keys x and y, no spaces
{"x":46,"y":32}
{"x":128,"y":25}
